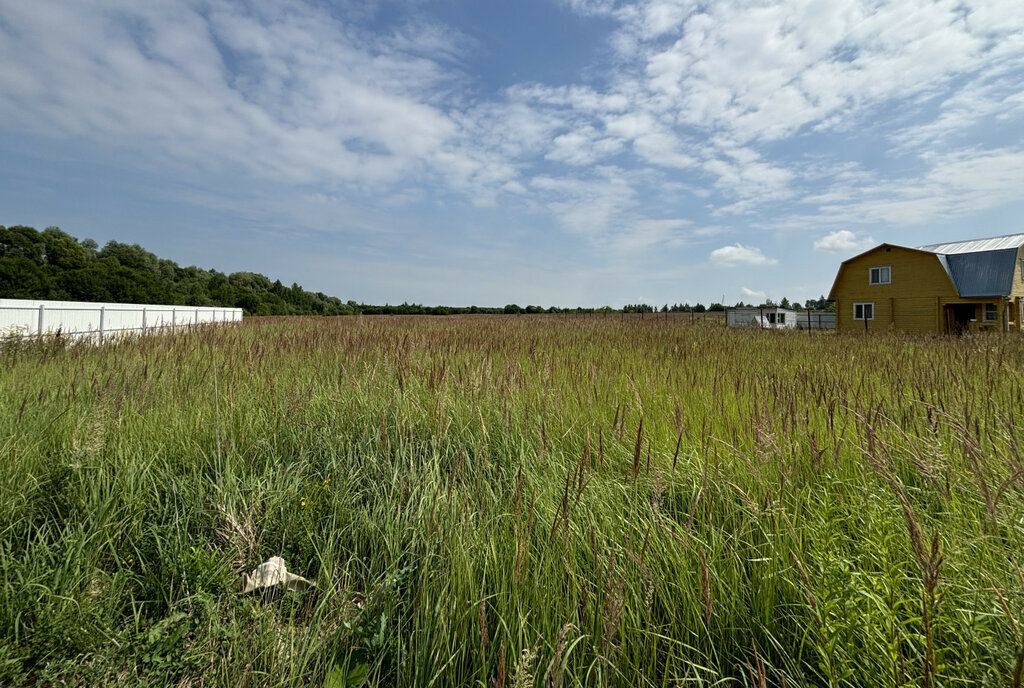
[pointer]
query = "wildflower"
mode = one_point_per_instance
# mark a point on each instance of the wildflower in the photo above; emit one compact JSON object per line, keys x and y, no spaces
{"x":302,"y":502}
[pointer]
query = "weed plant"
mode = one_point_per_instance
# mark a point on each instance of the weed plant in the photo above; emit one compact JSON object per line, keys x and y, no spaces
{"x":501,"y":501}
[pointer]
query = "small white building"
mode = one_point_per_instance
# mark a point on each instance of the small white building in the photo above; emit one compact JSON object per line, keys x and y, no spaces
{"x":769,"y":318}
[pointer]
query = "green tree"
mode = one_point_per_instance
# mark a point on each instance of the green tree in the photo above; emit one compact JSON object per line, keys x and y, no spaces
{"x":21,"y":278}
{"x":61,"y":251}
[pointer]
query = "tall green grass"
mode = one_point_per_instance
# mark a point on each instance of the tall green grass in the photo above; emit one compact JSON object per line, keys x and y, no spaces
{"x":511,"y":502}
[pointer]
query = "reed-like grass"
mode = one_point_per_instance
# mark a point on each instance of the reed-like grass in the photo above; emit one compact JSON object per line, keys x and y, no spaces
{"x":503,"y":501}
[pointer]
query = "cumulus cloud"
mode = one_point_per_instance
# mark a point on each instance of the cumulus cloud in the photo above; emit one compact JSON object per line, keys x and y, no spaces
{"x":707,"y":81}
{"x":843,"y":241}
{"x":724,"y":102}
{"x":289,"y":94}
{"x":752,"y":293}
{"x":738,"y":254}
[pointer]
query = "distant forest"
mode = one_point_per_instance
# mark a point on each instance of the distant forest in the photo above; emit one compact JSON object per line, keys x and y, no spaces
{"x":52,"y":264}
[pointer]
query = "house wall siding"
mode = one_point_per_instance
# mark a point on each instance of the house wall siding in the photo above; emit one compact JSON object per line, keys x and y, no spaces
{"x":1014,"y":318}
{"x":912,"y":301}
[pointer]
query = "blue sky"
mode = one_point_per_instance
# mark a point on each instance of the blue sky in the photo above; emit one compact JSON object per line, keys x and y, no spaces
{"x":557,"y":153}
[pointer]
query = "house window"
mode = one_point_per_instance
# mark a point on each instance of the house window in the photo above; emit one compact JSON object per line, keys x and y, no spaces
{"x":771,"y":318}
{"x":864,"y":311}
{"x":782,"y":318}
{"x":991,"y":312}
{"x":881,"y":275}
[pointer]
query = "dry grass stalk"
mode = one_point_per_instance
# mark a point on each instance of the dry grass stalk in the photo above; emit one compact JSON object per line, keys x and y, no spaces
{"x":562,"y":515}
{"x":757,"y":673}
{"x":808,"y":595}
{"x":521,"y":677}
{"x":693,"y":511}
{"x":484,"y":638}
{"x":929,"y":603}
{"x":675,"y":456}
{"x":613,"y":601}
{"x":1006,"y":610}
{"x":658,"y":493}
{"x":519,"y":488}
{"x":555,"y":672}
{"x":637,"y":448}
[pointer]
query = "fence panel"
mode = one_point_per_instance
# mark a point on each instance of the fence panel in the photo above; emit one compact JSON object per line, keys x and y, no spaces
{"x":34,"y":317}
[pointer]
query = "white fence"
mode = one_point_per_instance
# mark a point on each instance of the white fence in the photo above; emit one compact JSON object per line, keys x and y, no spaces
{"x":32,"y":317}
{"x":816,"y":320}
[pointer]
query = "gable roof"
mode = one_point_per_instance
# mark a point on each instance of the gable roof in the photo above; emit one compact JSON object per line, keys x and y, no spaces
{"x":982,"y":273}
{"x":976,"y":267}
{"x":975,"y":245}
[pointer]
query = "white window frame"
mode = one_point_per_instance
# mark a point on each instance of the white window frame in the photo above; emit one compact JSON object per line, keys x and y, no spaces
{"x":871,"y":273}
{"x":1022,"y":269}
{"x":995,"y":313}
{"x":781,"y":319}
{"x":862,"y":304}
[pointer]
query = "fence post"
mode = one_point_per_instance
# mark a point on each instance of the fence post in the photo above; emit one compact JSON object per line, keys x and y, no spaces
{"x":40,"y":324}
{"x":143,"y":319}
{"x":103,"y":312}
{"x":197,"y":316}
{"x":174,"y":317}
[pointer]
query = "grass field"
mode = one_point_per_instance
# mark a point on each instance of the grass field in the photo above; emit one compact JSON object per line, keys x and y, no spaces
{"x":513,"y":501}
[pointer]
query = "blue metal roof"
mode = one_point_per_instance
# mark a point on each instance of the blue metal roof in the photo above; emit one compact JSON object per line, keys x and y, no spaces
{"x":982,"y":273}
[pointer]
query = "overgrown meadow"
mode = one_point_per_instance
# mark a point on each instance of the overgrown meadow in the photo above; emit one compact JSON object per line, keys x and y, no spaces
{"x":513,"y":501}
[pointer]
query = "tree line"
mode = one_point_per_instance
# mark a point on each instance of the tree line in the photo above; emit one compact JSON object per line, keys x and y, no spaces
{"x":52,"y":264}
{"x":818,"y":304}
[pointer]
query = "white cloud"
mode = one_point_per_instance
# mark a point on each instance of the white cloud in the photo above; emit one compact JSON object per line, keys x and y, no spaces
{"x":738,"y":254}
{"x":843,"y":241}
{"x":592,"y":207}
{"x":741,"y":76}
{"x":763,"y":72}
{"x":953,"y":185}
{"x":641,"y":234}
{"x":752,"y":293}
{"x":725,"y":102}
{"x":307,"y":99}
{"x":583,"y":146}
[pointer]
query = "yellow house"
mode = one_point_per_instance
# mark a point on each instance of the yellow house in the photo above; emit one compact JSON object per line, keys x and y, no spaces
{"x":962,"y":286}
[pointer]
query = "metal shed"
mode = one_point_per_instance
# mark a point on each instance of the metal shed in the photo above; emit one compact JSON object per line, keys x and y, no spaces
{"x":770,"y":318}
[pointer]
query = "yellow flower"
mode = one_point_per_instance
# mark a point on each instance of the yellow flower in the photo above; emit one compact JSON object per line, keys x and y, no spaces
{"x":302,"y":502}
